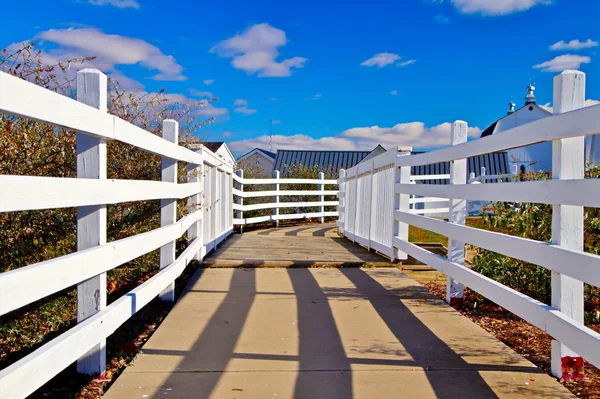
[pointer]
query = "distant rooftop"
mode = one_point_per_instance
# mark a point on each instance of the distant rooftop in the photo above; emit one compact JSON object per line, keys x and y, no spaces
{"x":332,"y":160}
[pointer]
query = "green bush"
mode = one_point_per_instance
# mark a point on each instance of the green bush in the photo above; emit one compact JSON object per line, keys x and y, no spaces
{"x":533,"y":221}
{"x":37,"y":149}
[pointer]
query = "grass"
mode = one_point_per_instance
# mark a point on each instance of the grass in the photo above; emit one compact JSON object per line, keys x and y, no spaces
{"x":417,"y":234}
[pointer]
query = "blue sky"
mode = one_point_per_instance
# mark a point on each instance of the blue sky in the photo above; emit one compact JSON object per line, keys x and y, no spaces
{"x":331,"y":76}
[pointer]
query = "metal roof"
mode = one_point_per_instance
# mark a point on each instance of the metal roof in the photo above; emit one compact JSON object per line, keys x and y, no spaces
{"x":330,"y":160}
{"x":495,"y":164}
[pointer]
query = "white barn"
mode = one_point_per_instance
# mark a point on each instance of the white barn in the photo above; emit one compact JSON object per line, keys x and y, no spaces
{"x":535,"y":157}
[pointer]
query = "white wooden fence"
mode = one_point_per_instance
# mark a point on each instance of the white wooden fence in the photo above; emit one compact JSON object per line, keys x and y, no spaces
{"x":319,"y":193}
{"x":208,"y":223}
{"x":365,"y":201}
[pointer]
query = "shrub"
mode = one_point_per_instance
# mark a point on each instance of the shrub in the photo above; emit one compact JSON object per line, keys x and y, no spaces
{"x":37,"y":149}
{"x":533,"y":221}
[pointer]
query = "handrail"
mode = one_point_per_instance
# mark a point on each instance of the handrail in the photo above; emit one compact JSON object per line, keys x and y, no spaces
{"x":209,"y":222}
{"x":568,"y":191}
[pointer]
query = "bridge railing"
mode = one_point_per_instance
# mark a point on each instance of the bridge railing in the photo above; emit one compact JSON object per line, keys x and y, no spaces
{"x":296,"y":199}
{"x":208,"y":222}
{"x":366,"y":202}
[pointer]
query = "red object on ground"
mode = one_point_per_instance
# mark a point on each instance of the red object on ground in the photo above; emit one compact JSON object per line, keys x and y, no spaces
{"x":572,"y":367}
{"x":457,"y":303}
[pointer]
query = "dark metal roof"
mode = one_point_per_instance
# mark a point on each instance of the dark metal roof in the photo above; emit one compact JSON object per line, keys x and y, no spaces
{"x":495,"y":164}
{"x":324,"y":160}
{"x":489,"y":130}
{"x":213,"y":145}
{"x":269,"y":153}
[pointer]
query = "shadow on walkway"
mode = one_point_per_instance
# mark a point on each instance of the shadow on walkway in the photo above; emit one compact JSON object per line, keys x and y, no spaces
{"x":320,"y":344}
{"x":324,"y":369}
{"x":426,"y":348}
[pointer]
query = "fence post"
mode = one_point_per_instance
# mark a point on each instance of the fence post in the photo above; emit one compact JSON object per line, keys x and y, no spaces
{"x":321,"y":197}
{"x":91,"y":220}
{"x":240,"y":200}
{"x":458,"y":214}
{"x":401,"y":203}
{"x":194,"y":175}
{"x":276,"y":198}
{"x":567,"y":221}
{"x":342,"y":200}
{"x":168,"y":207}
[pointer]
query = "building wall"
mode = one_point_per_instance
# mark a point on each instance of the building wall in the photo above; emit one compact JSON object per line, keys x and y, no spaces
{"x":258,"y":163}
{"x":533,"y":157}
{"x":223,"y":154}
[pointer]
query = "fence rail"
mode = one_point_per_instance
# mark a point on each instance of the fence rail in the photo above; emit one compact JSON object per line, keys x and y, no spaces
{"x":208,"y":223}
{"x":568,"y":192}
{"x":316,"y":199}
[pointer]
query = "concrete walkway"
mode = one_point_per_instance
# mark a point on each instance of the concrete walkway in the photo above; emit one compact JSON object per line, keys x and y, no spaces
{"x":323,"y":333}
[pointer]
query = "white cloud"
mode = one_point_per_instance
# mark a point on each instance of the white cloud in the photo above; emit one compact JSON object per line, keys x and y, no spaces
{"x":227,"y":134}
{"x":316,"y":97}
{"x":573,"y":45}
{"x":394,"y":92}
{"x":110,"y":50}
{"x":256,"y":50}
{"x":244,"y":110}
{"x":562,"y":62}
{"x":414,"y":134}
{"x":200,"y":93}
{"x":208,"y":82}
{"x":241,"y":107}
{"x":380,"y":60}
{"x":273,"y":98}
{"x":441,"y":19}
{"x":116,"y":3}
{"x":406,"y":63}
{"x":496,"y":7}
{"x":203,"y":108}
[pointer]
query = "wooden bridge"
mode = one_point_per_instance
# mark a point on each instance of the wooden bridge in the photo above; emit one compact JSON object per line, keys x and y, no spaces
{"x":261,"y":322}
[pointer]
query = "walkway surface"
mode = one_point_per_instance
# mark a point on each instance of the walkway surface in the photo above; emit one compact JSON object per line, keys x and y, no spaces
{"x":323,"y":333}
{"x":314,"y":245}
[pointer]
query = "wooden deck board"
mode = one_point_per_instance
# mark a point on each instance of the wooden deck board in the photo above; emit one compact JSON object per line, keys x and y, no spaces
{"x":315,"y":245}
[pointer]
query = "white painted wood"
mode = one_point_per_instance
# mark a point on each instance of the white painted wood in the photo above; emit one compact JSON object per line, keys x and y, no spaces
{"x":214,"y":205}
{"x":284,"y":181}
{"x":47,"y":361}
{"x":255,"y":207}
{"x":240,"y":196}
{"x":575,"y":263}
{"x":168,"y":207}
{"x":28,"y":100}
{"x":28,"y":284}
{"x":276,"y":198}
{"x":342,"y":201}
{"x":547,"y":318}
{"x":250,"y":194}
{"x":427,"y":200}
{"x":194,"y":176}
{"x":429,"y":211}
{"x":568,"y":192}
{"x":401,"y":199}
{"x":430,"y":177}
{"x":20,"y":193}
{"x":581,"y":122}
{"x":321,"y":197}
{"x":91,"y":220}
{"x":457,"y":215}
{"x":261,"y":219}
{"x":567,"y":221}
